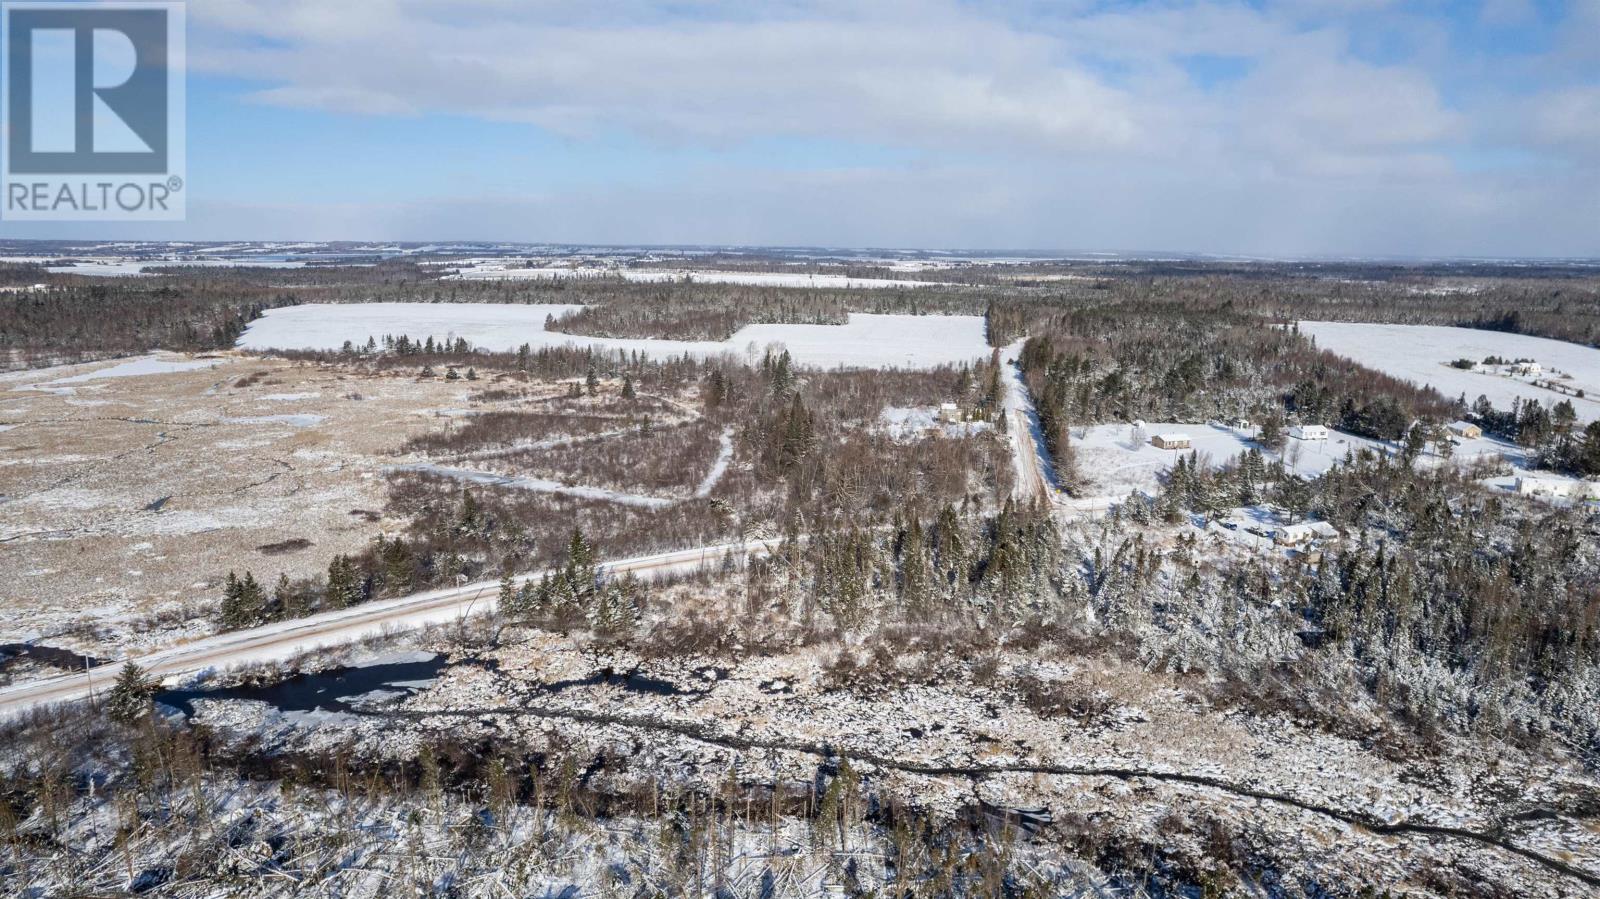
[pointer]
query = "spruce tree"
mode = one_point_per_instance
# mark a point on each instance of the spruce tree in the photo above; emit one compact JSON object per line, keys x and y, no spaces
{"x":130,"y":698}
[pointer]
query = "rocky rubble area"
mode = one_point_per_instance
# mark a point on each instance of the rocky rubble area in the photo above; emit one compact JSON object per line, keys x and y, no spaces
{"x":1100,"y":754}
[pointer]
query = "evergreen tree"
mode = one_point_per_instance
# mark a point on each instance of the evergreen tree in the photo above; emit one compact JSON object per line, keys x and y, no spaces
{"x":344,"y":587}
{"x":508,"y":604}
{"x":243,"y":603}
{"x":627,"y":387}
{"x":130,"y":698}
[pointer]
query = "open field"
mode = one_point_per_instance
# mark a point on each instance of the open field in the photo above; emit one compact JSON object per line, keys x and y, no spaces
{"x":123,"y":495}
{"x":1422,"y":355}
{"x":868,"y":341}
{"x":1117,"y":461}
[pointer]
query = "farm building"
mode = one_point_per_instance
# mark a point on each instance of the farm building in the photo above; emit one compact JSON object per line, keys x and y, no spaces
{"x":1172,"y":441}
{"x":1554,"y":487}
{"x":950,"y":413}
{"x":1309,"y":432}
{"x":1466,"y":430}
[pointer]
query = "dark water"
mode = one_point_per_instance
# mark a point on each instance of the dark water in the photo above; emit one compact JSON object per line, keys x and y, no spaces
{"x":65,"y":659}
{"x":634,"y":682}
{"x":325,"y":692}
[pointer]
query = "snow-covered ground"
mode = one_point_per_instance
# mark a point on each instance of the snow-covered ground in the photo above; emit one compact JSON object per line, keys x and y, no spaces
{"x":153,"y":364}
{"x":138,"y":268}
{"x":719,"y":469}
{"x":1422,"y":354}
{"x":1117,"y":460}
{"x":868,"y":341}
{"x":916,"y":422}
{"x":500,"y":272}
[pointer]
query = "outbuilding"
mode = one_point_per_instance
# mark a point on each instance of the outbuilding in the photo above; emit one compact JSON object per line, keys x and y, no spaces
{"x":1466,"y":430}
{"x":949,"y":413}
{"x":1531,"y":486}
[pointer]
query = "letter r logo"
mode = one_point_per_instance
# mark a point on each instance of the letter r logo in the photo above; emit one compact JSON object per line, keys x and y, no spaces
{"x":87,"y":89}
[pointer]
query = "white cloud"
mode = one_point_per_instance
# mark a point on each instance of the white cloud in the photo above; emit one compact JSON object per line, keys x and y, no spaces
{"x":1041,"y":125}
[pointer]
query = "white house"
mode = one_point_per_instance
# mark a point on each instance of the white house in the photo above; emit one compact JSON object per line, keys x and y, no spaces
{"x":1293,"y":535}
{"x":1309,"y":432}
{"x":1305,"y":533}
{"x":1324,"y":531}
{"x":1527,"y":368}
{"x":1466,"y":430}
{"x":1172,"y":441}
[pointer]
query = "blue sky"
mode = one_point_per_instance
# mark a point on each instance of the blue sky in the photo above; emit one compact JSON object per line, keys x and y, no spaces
{"x":1316,"y":127}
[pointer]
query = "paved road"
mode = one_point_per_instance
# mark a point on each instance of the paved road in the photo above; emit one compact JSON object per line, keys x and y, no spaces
{"x":288,"y":638}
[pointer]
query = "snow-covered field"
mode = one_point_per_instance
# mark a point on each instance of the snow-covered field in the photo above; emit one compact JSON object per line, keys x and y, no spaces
{"x":868,"y":341}
{"x":154,"y":364}
{"x":499,"y":272}
{"x":1115,"y":463}
{"x":1421,"y":354}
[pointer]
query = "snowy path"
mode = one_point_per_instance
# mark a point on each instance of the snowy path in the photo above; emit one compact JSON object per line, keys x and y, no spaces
{"x":539,"y":485}
{"x":1029,"y":457}
{"x":719,"y":468}
{"x":283,"y":640}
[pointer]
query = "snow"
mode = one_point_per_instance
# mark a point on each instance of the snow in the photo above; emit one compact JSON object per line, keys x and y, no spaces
{"x":868,"y":341}
{"x":154,"y":364}
{"x":718,"y":468}
{"x":913,"y":422}
{"x":296,"y":421}
{"x":1118,"y":460}
{"x":540,"y":485}
{"x":131,"y":268}
{"x":498,"y":272}
{"x":1421,"y":354}
{"x":1116,"y":465}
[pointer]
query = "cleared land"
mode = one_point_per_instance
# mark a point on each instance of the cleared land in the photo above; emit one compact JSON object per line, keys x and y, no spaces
{"x":868,"y":341}
{"x":129,"y":488}
{"x":1422,"y":355}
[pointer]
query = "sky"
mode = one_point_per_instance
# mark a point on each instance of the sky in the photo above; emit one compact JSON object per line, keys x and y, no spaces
{"x":1286,"y":129}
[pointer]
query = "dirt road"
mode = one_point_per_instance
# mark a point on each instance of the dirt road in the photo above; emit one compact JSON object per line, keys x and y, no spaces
{"x":285,"y":639}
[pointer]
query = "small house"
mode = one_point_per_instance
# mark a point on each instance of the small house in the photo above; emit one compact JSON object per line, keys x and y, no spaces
{"x":1172,"y":442}
{"x":949,"y":413}
{"x":1530,"y":369}
{"x":1466,"y":430}
{"x":1309,"y":432}
{"x":1293,"y":535}
{"x":1243,"y":424}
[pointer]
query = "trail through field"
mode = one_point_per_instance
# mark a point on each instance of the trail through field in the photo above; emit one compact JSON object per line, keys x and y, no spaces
{"x":719,"y":469}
